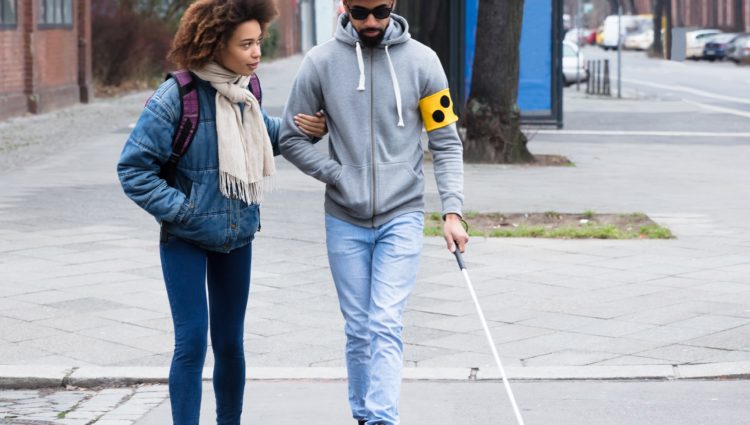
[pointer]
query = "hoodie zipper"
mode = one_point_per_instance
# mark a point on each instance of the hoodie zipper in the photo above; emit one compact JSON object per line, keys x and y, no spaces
{"x":372,"y":136}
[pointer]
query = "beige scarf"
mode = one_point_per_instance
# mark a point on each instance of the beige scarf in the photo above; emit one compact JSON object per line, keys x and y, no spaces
{"x":245,"y":152}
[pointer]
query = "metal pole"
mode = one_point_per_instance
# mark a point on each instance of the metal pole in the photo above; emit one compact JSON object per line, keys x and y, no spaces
{"x":619,"y":51}
{"x":578,"y":43}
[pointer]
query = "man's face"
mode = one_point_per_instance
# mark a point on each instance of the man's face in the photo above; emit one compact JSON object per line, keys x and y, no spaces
{"x":370,"y":28}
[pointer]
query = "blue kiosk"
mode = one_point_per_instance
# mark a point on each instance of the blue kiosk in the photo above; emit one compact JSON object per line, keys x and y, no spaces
{"x":540,"y":86}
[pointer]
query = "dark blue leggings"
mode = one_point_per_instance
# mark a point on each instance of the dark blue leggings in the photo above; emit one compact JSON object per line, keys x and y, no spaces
{"x":186,"y":269}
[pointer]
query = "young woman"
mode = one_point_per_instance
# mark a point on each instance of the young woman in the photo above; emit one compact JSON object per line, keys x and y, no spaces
{"x":211,"y":212}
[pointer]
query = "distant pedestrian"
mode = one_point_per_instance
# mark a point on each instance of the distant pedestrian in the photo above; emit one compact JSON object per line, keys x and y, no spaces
{"x":211,"y":214}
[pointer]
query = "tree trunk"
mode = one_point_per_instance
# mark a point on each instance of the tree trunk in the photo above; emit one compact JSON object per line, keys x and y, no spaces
{"x":657,"y":49}
{"x":492,"y":118}
{"x":739,"y":16}
{"x":715,"y":14}
{"x":633,"y":8}
{"x":613,"y":6}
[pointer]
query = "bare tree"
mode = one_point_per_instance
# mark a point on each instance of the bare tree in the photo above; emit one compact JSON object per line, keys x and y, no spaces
{"x":492,"y":118}
{"x":662,"y":9}
{"x":739,"y":24}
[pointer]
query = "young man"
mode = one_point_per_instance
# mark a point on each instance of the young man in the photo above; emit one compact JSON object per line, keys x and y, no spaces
{"x":379,"y":88}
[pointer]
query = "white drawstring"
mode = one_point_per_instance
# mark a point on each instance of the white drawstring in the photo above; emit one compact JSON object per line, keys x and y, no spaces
{"x":361,"y":63}
{"x":396,"y":88}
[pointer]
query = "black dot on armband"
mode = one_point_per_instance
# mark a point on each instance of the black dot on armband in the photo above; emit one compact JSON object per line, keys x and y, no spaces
{"x":438,"y":116}
{"x":445,"y":101}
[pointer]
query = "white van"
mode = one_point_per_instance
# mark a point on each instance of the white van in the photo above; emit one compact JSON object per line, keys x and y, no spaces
{"x":630,"y":24}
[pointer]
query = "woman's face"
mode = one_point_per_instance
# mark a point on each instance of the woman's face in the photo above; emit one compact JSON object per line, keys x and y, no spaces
{"x":242,"y":54}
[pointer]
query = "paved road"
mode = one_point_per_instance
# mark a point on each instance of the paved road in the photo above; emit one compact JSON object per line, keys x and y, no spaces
{"x":560,"y":403}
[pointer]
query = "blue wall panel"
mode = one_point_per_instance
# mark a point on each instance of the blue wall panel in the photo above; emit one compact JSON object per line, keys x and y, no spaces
{"x":535,"y":86}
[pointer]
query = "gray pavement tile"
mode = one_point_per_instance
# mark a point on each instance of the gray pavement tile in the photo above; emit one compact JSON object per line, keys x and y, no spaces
{"x":469,"y":360}
{"x":86,"y":279}
{"x":122,"y":333}
{"x":48,"y":297}
{"x":681,"y":354}
{"x":731,"y":339}
{"x":265,"y":327}
{"x":130,"y":315}
{"x":304,"y":357}
{"x":91,"y":350}
{"x":418,"y":353}
{"x":713,"y":322}
{"x":718,"y":275}
{"x":418,"y":334}
{"x":612,"y":328}
{"x":669,"y":334}
{"x":452,"y":308}
{"x":13,"y":330}
{"x":558,"y":321}
{"x":516,"y":332}
{"x":583,"y":283}
{"x":154,"y":360}
{"x":508,"y":314}
{"x":569,"y":358}
{"x":730,"y":356}
{"x":11,"y":353}
{"x":460,"y":342}
{"x":725,"y":287}
{"x":631,"y":361}
{"x":86,"y":305}
{"x":570,"y":340}
{"x":74,"y":323}
{"x":630,"y":276}
{"x":461,"y":324}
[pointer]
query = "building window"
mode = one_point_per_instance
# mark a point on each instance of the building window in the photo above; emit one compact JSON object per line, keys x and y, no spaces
{"x":8,"y":13}
{"x":56,"y":13}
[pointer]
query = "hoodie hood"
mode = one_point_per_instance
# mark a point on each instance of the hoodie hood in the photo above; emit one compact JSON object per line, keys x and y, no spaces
{"x":396,"y":33}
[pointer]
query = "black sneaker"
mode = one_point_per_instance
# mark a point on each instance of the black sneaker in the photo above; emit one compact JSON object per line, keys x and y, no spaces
{"x":361,"y":422}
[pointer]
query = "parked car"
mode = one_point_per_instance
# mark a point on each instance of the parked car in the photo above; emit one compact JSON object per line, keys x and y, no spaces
{"x":640,"y":40}
{"x":695,"y":42}
{"x":629,"y":24}
{"x":716,"y":49}
{"x":580,"y":36}
{"x":739,"y":50}
{"x":574,"y":64}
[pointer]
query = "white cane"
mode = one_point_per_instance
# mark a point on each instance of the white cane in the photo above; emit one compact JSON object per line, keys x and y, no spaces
{"x":461,"y":265}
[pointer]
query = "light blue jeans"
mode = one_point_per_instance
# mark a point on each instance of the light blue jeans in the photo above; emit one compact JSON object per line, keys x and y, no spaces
{"x":374,"y":270}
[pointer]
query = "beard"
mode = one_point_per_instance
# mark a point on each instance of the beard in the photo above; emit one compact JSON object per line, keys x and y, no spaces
{"x":372,"y":41}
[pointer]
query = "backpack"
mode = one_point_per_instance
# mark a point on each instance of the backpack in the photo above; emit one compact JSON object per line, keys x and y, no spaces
{"x":189,"y":117}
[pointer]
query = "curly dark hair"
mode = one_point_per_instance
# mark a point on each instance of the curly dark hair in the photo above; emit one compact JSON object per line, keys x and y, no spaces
{"x":207,"y":25}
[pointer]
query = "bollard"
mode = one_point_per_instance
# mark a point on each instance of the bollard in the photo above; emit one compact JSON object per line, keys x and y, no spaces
{"x":607,"y":90}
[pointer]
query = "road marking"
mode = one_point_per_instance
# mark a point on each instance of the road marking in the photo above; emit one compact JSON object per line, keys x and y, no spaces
{"x":719,"y":108}
{"x":689,"y":90}
{"x":642,"y":133}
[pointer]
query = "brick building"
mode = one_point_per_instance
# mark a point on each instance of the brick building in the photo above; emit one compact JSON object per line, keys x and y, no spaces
{"x":728,"y":15}
{"x":45,"y":55}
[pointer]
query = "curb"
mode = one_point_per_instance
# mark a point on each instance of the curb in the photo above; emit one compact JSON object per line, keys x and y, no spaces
{"x":34,"y":377}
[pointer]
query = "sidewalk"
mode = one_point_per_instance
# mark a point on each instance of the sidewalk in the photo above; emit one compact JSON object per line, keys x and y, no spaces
{"x":80,"y":282}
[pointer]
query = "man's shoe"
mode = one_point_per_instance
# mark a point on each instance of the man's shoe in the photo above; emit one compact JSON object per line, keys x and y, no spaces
{"x":361,"y":422}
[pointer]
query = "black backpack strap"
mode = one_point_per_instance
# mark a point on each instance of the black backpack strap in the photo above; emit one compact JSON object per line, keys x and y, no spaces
{"x":186,"y":127}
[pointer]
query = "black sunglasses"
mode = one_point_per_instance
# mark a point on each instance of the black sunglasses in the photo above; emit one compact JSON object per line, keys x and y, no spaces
{"x":361,"y":13}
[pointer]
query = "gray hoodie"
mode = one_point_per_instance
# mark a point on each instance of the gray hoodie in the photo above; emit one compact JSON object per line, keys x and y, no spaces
{"x":371,"y":96}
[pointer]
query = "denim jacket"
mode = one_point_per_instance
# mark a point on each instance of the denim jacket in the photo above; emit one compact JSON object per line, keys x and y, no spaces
{"x":195,"y":209}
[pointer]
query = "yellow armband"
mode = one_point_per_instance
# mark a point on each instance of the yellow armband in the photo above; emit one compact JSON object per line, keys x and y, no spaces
{"x":437,"y":110}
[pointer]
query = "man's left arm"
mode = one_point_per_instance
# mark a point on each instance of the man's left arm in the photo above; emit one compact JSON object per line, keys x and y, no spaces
{"x":445,"y":145}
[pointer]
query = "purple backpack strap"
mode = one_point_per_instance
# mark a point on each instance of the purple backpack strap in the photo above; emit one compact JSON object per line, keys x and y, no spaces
{"x":185,"y":131}
{"x":255,"y":89}
{"x":189,"y":113}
